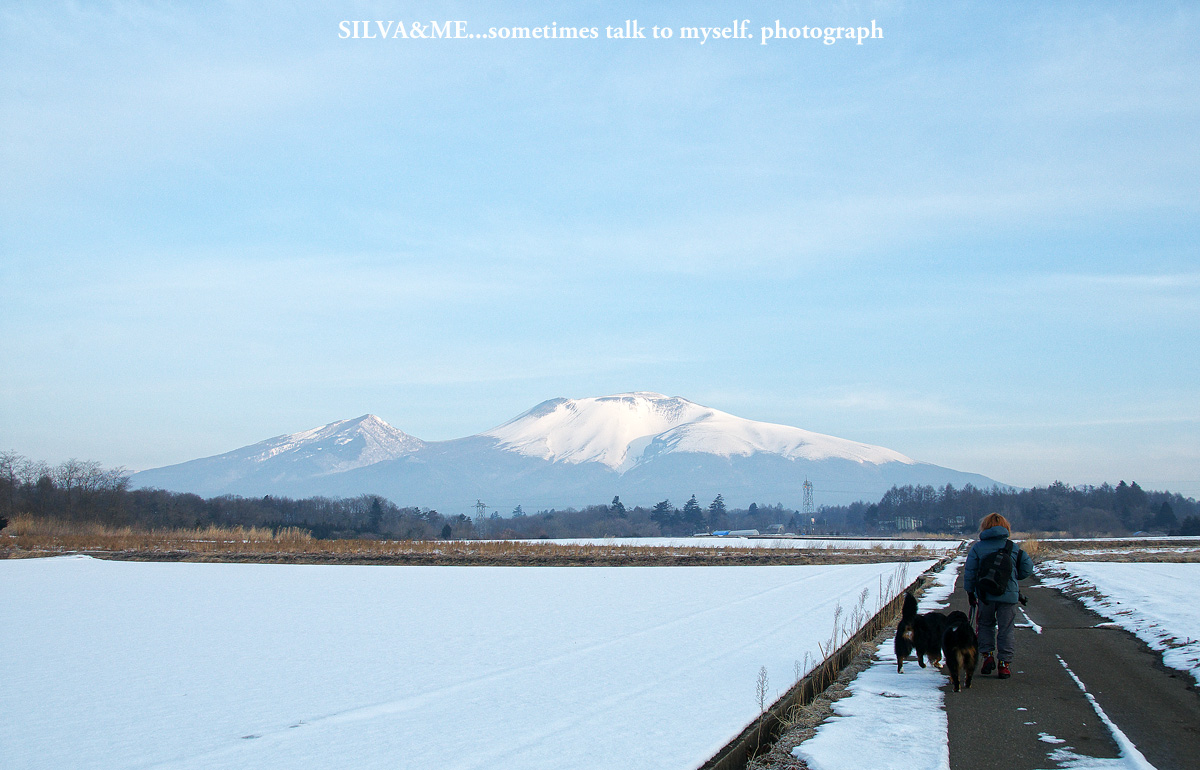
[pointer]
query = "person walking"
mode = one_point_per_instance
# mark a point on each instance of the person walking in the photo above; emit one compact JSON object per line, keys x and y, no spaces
{"x":995,"y":611}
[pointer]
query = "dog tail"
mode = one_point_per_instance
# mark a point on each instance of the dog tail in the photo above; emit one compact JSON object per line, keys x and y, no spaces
{"x":910,"y":607}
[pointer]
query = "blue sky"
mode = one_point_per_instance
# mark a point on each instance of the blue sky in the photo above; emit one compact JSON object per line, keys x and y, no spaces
{"x":975,"y":241}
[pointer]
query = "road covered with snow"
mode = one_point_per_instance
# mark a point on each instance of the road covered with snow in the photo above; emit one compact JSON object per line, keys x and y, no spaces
{"x":1154,"y":601}
{"x":185,"y":665}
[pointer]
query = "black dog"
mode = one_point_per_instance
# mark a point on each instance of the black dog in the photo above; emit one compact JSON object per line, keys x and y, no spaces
{"x":961,"y":648}
{"x":922,"y":633}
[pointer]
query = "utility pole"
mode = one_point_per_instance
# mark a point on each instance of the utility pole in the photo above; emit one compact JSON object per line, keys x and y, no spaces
{"x":809,"y":510}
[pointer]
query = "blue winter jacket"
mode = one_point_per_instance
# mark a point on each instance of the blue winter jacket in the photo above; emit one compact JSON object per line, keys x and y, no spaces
{"x":990,"y":541}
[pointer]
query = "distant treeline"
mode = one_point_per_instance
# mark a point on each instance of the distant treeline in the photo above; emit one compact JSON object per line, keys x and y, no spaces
{"x":1083,"y":511}
{"x":82,"y":491}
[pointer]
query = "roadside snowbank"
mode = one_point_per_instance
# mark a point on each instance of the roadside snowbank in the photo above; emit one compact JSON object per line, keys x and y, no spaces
{"x":1155,"y":601}
{"x":890,"y":720}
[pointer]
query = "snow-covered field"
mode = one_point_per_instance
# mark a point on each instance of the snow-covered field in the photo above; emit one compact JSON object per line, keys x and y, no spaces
{"x":119,"y":664}
{"x":1156,"y":601}
{"x":1183,"y":545}
{"x":830,"y":543}
{"x":1182,"y":550}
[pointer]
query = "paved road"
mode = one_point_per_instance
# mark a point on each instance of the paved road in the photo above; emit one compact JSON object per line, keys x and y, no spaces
{"x":1008,"y":723}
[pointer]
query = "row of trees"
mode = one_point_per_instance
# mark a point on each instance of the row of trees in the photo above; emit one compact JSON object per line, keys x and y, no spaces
{"x":85,"y":491}
{"x":82,"y":491}
{"x":71,"y":490}
{"x":1083,"y":510}
{"x":618,"y":520}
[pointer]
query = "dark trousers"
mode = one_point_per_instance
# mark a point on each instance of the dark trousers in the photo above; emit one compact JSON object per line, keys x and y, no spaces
{"x":995,"y":626}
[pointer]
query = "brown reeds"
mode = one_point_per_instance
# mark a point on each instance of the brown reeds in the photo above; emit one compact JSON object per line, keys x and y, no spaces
{"x":27,"y":536}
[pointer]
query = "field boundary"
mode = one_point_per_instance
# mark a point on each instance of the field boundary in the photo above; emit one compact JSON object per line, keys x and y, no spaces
{"x":28,"y":538}
{"x":761,"y":733}
{"x":515,"y":559}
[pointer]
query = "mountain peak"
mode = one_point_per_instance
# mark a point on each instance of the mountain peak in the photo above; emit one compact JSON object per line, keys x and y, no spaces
{"x":333,"y":448}
{"x":599,"y":429}
{"x":623,"y":429}
{"x":346,"y":444}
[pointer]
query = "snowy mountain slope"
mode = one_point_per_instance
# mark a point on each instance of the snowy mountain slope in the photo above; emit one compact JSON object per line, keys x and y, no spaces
{"x":642,"y":446}
{"x":620,"y":431}
{"x":594,"y":429}
{"x":341,"y":446}
{"x":725,"y":435}
{"x":279,"y":463}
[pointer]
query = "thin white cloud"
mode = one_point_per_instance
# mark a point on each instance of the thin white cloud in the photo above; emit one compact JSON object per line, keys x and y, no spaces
{"x":1173,"y":283}
{"x":1019,"y":424}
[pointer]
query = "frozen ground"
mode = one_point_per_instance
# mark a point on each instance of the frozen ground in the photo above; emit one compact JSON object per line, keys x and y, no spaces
{"x":760,"y":542}
{"x":890,"y":720}
{"x":120,"y":664}
{"x":1156,"y":601}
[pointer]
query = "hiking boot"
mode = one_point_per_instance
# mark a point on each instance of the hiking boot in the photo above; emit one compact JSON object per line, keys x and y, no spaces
{"x":1004,"y":672}
{"x":989,"y":665}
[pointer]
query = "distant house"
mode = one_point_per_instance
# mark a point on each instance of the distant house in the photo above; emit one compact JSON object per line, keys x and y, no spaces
{"x":907,"y":523}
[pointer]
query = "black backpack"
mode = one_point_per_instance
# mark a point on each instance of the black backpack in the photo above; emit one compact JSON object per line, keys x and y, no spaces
{"x":995,"y":569}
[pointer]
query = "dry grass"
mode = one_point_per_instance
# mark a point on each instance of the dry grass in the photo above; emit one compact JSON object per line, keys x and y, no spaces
{"x":27,"y":537}
{"x":53,"y":534}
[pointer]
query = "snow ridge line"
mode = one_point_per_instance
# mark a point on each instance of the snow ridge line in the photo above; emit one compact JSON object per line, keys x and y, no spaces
{"x":759,"y":733}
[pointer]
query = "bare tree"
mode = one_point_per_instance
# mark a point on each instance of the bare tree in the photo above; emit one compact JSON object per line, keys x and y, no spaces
{"x":32,"y":471}
{"x":9,"y":463}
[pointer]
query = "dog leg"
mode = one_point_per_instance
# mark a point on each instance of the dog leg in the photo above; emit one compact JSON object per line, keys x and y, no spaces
{"x":902,"y":649}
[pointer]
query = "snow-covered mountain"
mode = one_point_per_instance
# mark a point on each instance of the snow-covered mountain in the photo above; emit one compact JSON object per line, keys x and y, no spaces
{"x":283,"y":461}
{"x":621,"y":431}
{"x":642,"y":446}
